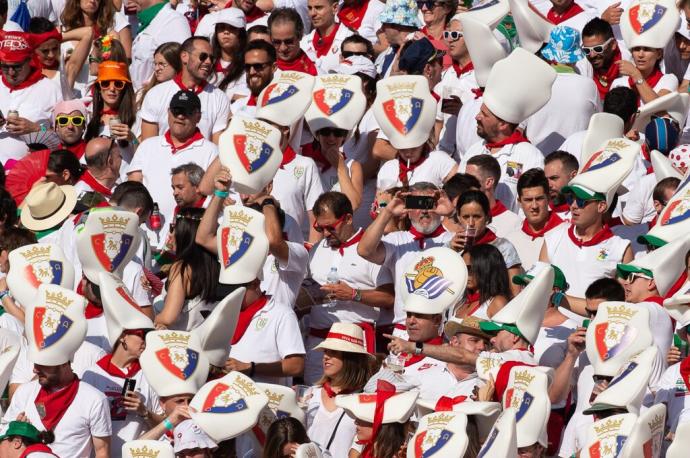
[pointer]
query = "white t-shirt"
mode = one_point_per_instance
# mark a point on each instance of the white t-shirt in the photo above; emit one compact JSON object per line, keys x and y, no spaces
{"x":97,"y":332}
{"x":331,"y":59}
{"x":672,"y":391}
{"x":552,"y":343}
{"x":573,"y":144}
{"x":528,"y":247}
{"x":434,"y":379}
{"x":463,"y":83}
{"x":283,"y":280}
{"x":370,"y":22}
{"x":639,"y":208}
{"x":668,"y":82}
{"x":215,"y":107}
{"x":272,"y":335}
{"x":466,"y":131}
{"x":434,"y":169}
{"x":504,"y":223}
{"x":321,"y":425}
{"x":87,"y":416}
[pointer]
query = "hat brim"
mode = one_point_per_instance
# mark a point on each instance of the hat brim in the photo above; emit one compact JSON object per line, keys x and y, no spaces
{"x":451,"y":328}
{"x":627,"y":269}
{"x":522,"y":279}
{"x":651,"y":240}
{"x":339,"y":345}
{"x":600,"y":408}
{"x":582,"y":194}
{"x":34,"y":224}
{"x":494,"y":328}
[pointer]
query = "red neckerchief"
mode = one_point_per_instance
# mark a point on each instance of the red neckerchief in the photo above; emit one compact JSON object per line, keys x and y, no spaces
{"x":196,"y":136}
{"x":301,"y":63}
{"x":604,"y":234}
{"x":323,"y":44}
{"x":459,"y":71}
{"x":603,"y":80}
{"x":384,"y":391}
{"x":652,"y":80}
{"x":329,"y":391}
{"x":33,"y":448}
{"x":677,"y":285}
{"x":252,"y":100}
{"x":246,"y":316}
{"x":197,"y":89}
{"x":352,"y":15}
{"x":109,"y":111}
{"x":90,"y":180}
{"x":515,"y":138}
{"x":685,"y":372}
{"x":488,"y":237}
{"x":421,"y":238}
{"x":655,"y":299}
{"x":498,"y":208}
{"x":92,"y":311}
{"x":472,"y":297}
{"x":218,"y":68}
{"x":501,"y":382}
{"x":445,"y":404}
{"x":553,"y":221}
{"x":412,"y":359}
{"x":34,"y":77}
{"x":354,"y":239}
{"x":106,"y":364}
{"x":561,"y":208}
{"x":313,"y":150}
{"x":571,"y":12}
{"x":288,"y":156}
{"x":77,"y":149}
{"x":198,"y":204}
{"x":55,"y":404}
{"x":478,"y":92}
{"x":404,"y":169}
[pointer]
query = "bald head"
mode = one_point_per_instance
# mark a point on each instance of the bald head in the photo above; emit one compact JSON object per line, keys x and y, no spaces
{"x":96,"y":153}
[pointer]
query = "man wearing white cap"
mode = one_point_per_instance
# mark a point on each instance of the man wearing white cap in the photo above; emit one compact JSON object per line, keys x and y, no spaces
{"x":77,"y":413}
{"x":322,"y":44}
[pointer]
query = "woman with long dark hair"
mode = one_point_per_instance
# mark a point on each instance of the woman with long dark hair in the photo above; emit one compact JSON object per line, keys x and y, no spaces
{"x":488,"y":286}
{"x":228,"y":43}
{"x":283,"y":438}
{"x":193,"y":279}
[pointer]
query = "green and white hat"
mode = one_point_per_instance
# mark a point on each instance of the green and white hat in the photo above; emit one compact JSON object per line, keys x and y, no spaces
{"x":663,"y":168}
{"x":673,"y":103}
{"x":649,"y":23}
{"x":502,"y":440}
{"x":602,"y":128}
{"x":606,"y":437}
{"x":647,"y":435}
{"x":673,"y":221}
{"x":533,"y":29}
{"x":559,"y":280}
{"x":441,"y":434}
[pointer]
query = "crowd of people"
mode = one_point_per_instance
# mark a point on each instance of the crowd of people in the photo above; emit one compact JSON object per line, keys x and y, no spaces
{"x":355,"y":228}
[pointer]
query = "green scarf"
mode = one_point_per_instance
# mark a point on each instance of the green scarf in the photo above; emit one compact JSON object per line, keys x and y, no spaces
{"x":508,"y":30}
{"x":146,"y":16}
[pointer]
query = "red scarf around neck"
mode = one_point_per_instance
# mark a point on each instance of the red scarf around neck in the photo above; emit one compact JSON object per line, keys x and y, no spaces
{"x":323,"y":44}
{"x":384,"y":391}
{"x":459,"y":71}
{"x":107,"y":365}
{"x":685,"y":372}
{"x":652,"y":80}
{"x":301,"y":63}
{"x":246,"y":316}
{"x":488,"y":237}
{"x":36,"y":448}
{"x":329,"y":390}
{"x":196,"y":89}
{"x":445,"y":403}
{"x":404,"y":169}
{"x":515,"y":138}
{"x":34,"y":77}
{"x":604,"y":234}
{"x":353,"y":240}
{"x":52,"y":406}
{"x":604,"y":79}
{"x":498,"y":208}
{"x":313,"y":150}
{"x":413,"y":359}
{"x":571,"y":12}
{"x":90,"y":180}
{"x":420,"y":238}
{"x":168,"y":138}
{"x":351,"y":15}
{"x":553,"y":221}
{"x":288,"y":156}
{"x":254,"y":14}
{"x":251,"y":102}
{"x":92,"y":311}
{"x":77,"y":149}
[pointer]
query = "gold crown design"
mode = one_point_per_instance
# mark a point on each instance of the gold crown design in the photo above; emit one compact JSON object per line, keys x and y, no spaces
{"x":424,"y":262}
{"x":401,"y":89}
{"x":274,"y":398}
{"x":246,"y":387}
{"x":239,"y":218}
{"x":255,"y":129}
{"x":620,"y":312}
{"x":489,"y":363}
{"x":607,"y":427}
{"x":616,"y":145}
{"x":175,"y":339}
{"x":335,"y":80}
{"x":523,"y":378}
{"x":441,"y":419}
{"x":37,"y":253}
{"x":290,"y":77}
{"x":58,"y":300}
{"x":657,"y":424}
{"x":144,"y":452}
{"x":114,"y":223}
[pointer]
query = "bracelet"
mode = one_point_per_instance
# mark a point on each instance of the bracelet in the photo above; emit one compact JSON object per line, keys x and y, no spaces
{"x":252,"y":369}
{"x":4,"y":294}
{"x":221,"y":194}
{"x":167,"y":424}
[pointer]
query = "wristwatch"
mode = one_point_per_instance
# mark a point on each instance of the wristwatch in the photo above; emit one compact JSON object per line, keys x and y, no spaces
{"x":640,"y":81}
{"x":268,"y":202}
{"x":418,"y":348}
{"x":358,"y":295}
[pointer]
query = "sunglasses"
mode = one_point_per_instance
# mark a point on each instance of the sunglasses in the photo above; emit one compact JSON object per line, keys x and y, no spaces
{"x":329,"y":227}
{"x":581,"y":203}
{"x":15,"y":67}
{"x":632,"y":276}
{"x":347,"y":54}
{"x":76,"y":121}
{"x":452,"y":35}
{"x":289,"y":42}
{"x":332,"y":132}
{"x":598,"y":49}
{"x":257,"y":67}
{"x":177,"y":111}
{"x":117,"y":84}
{"x":430,"y":4}
{"x":204,"y":56}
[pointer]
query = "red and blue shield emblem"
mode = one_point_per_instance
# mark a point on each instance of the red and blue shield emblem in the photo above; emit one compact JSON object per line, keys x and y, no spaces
{"x":392,"y":115}
{"x":101,"y":246}
{"x":240,"y":244}
{"x":211,"y":406}
{"x":286,"y":94}
{"x":675,"y":213}
{"x":595,"y":450}
{"x":328,"y":110}
{"x":441,"y":441}
{"x":597,"y":162}
{"x":601,"y":332}
{"x":647,"y":21}
{"x":525,"y":403}
{"x":59,"y":327}
{"x":37,"y":273}
{"x":166,"y":359}
{"x":258,"y":160}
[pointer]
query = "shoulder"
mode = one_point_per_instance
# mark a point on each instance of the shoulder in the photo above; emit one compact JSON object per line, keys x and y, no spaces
{"x":90,"y":392}
{"x":151,"y":143}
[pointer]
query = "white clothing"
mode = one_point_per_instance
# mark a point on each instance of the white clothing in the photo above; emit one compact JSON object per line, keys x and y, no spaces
{"x":552,"y":343}
{"x":86,"y":356}
{"x":282,"y":280}
{"x":667,"y":82}
{"x":639,"y":207}
{"x":673,"y":392}
{"x":297,"y":185}
{"x":358,"y":149}
{"x":575,"y":433}
{"x":434,"y":169}
{"x":329,"y":61}
{"x":434,"y":379}
{"x":465,"y":83}
{"x":240,"y":106}
{"x":321,"y":425}
{"x":528,"y":247}
{"x":370,"y":22}
{"x":97,"y":332}
{"x":504,"y":223}
{"x":466,"y":131}
{"x":573,"y":144}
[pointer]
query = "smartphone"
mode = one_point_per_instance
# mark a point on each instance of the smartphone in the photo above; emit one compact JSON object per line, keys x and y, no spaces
{"x":129,"y":385}
{"x":420,"y":202}
{"x":585,"y":323}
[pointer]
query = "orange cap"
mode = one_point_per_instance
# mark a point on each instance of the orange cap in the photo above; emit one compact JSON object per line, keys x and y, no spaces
{"x":110,"y":70}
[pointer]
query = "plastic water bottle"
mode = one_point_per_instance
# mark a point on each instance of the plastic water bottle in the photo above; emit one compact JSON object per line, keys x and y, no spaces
{"x":332,"y":279}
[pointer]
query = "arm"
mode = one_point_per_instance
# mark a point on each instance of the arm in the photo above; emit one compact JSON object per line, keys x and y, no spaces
{"x":628,"y":255}
{"x":148,"y":129}
{"x":277,"y":245}
{"x":206,"y":186}
{"x":314,"y":237}
{"x":515,"y":270}
{"x":215,"y":138}
{"x":382,"y":296}
{"x":178,"y":415}
{"x":101,"y":446}
{"x":447,"y":353}
{"x":206,"y":233}
{"x":80,"y":52}
{"x":135,"y":176}
{"x":175,"y":298}
{"x":351,"y":185}
{"x":383,"y":150}
{"x":370,"y":246}
{"x":452,"y":172}
{"x":564,"y":372}
{"x":125,"y":37}
{"x":290,"y":366}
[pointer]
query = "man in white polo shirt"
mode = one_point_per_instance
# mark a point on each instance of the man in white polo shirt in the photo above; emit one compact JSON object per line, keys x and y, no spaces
{"x":156,"y":156}
{"x":196,"y":55}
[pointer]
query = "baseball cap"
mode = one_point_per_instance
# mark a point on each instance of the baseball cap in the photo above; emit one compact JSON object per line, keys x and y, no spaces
{"x":188,"y":436}
{"x":22,"y":429}
{"x":415,"y":57}
{"x":583,"y":193}
{"x":559,"y":280}
{"x":186,"y":100}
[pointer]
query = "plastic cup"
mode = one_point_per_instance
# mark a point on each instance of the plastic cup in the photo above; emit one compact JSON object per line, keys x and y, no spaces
{"x":302,"y":391}
{"x":470,"y":235}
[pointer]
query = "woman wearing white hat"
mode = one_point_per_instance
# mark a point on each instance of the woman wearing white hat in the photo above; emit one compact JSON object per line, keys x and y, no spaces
{"x":346,"y":369}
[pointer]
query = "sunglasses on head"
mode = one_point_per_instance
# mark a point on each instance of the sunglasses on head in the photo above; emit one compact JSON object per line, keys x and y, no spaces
{"x":178,"y":111}
{"x":76,"y":121}
{"x":581,"y":203}
{"x":288,"y":42}
{"x":257,"y":67}
{"x":117,"y":84}
{"x":452,"y":35}
{"x":347,"y":54}
{"x":329,"y":227}
{"x":598,"y":49}
{"x":332,"y":132}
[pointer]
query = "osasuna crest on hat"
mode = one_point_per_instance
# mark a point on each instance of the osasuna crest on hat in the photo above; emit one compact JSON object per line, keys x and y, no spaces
{"x":405,"y":110}
{"x":439,"y":434}
{"x":107,"y":241}
{"x":673,"y":103}
{"x":250,"y":148}
{"x":649,"y":23}
{"x":216,"y":332}
{"x":520,"y":69}
{"x":483,"y":413}
{"x":674,"y":219}
{"x":308,"y":450}
{"x":147,"y":449}
{"x":602,"y":128}
{"x":121,"y":310}
{"x":435,"y":280}
{"x":282,"y":403}
{"x":483,"y":46}
{"x":55,"y":325}
{"x":242,"y":244}
{"x":681,"y":442}
{"x":533,"y":29}
{"x":36,"y":264}
{"x":502,"y":439}
{"x":337,"y":101}
{"x":663,"y":168}
{"x":606,"y":438}
{"x":285,"y":100}
{"x":229,"y":406}
{"x":9,"y":353}
{"x":646,"y":437}
{"x":527,"y":393}
{"x":628,"y":387}
{"x":619,"y":331}
{"x":397,"y":409}
{"x":173,"y":362}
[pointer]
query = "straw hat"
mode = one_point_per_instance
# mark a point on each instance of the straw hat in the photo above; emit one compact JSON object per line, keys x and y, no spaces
{"x":468,"y":325}
{"x":47,"y":205}
{"x":242,"y":244}
{"x":36,"y":264}
{"x":346,"y":337}
{"x":147,"y":449}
